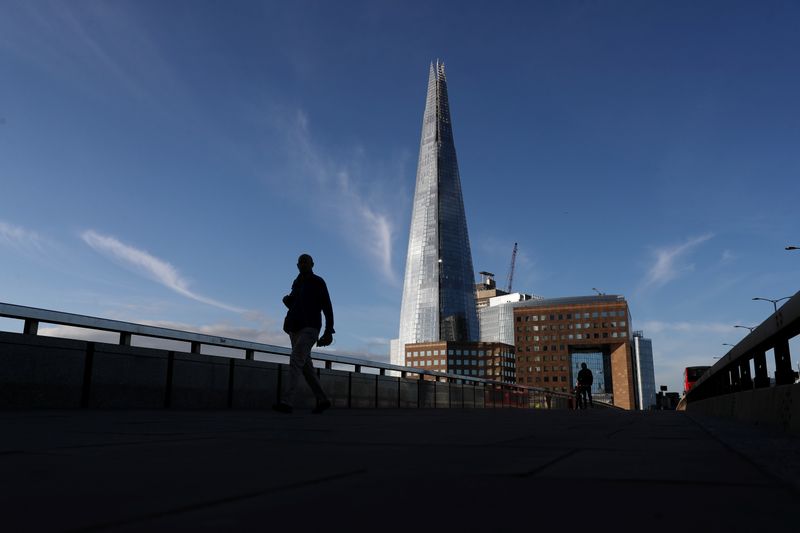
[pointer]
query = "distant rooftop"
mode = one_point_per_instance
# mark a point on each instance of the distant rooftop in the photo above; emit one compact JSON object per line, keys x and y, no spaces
{"x":573,"y":300}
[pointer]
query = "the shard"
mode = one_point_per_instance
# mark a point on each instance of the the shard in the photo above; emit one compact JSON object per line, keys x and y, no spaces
{"x":439,"y":287}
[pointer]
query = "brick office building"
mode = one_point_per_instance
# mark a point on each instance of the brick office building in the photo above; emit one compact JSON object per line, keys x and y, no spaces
{"x":553,"y":336}
{"x":488,"y":360}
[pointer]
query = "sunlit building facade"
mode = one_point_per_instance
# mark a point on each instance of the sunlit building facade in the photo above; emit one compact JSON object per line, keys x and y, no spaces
{"x":486,"y":360}
{"x":553,"y":336}
{"x":438,"y":291}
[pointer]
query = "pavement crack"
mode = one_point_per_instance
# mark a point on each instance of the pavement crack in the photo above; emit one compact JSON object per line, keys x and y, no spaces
{"x":547,"y":465}
{"x":219,"y":501}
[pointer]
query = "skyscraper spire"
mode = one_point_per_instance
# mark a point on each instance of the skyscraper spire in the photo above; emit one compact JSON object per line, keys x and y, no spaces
{"x":438,"y":291}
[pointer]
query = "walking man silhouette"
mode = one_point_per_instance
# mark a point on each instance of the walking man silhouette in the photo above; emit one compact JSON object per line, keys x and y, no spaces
{"x":309,"y":298}
{"x":585,"y":380}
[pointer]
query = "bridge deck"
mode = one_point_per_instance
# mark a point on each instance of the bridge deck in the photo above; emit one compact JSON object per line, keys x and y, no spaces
{"x":393,"y":470}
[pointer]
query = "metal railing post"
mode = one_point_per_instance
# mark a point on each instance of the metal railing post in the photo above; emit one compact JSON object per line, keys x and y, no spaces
{"x":30,"y":327}
{"x":733,"y":372}
{"x":783,"y":363}
{"x":349,"y":390}
{"x":761,"y":378}
{"x":746,"y":378}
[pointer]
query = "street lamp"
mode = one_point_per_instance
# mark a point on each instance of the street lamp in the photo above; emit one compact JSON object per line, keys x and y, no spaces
{"x":774,"y":302}
{"x":792,"y":248}
{"x":727,"y":344}
{"x":746,"y":327}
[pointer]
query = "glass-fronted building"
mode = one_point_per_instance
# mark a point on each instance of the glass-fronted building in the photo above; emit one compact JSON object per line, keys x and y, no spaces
{"x":438,"y":291}
{"x":643,"y":371}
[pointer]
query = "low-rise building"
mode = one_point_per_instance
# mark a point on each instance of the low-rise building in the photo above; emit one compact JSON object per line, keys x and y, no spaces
{"x":488,"y":360}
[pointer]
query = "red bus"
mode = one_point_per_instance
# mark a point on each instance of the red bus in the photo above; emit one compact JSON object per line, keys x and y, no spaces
{"x":692,"y":374}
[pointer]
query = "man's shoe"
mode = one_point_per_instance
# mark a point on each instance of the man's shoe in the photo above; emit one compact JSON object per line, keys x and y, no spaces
{"x":321,"y":406}
{"x":282,"y":408}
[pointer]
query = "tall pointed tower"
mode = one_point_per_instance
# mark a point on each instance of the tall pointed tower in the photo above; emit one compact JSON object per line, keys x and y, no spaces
{"x":439,"y":287}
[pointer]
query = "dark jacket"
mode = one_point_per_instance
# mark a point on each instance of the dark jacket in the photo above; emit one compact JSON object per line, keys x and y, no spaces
{"x":308,"y":298}
{"x":585,"y":377}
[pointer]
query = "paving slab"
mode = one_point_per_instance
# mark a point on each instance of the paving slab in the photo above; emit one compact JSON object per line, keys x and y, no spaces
{"x":393,"y":469}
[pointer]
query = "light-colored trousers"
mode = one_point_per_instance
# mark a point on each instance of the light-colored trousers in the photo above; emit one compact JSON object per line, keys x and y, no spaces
{"x":300,"y":363}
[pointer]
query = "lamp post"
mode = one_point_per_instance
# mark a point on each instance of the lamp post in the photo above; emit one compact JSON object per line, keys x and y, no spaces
{"x":792,"y":248}
{"x":774,"y":302}
{"x":728,"y":344}
{"x":746,"y":327}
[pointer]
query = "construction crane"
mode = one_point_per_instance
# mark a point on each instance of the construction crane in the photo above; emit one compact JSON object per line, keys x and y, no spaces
{"x":511,"y":269}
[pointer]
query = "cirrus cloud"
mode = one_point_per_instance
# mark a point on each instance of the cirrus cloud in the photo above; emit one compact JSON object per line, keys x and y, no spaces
{"x":150,"y":266}
{"x":667,"y":265}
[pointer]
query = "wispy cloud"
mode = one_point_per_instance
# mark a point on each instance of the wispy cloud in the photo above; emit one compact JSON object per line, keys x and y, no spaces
{"x":364,"y":219}
{"x":668,"y":265}
{"x":82,"y":42}
{"x":264,"y":332}
{"x":148,"y":265}
{"x":657,"y":326}
{"x":21,"y":238}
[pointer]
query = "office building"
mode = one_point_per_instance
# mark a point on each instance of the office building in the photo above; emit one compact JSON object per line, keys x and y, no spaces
{"x":552,"y":336}
{"x":488,"y":360}
{"x":643,"y":371}
{"x":438,"y":291}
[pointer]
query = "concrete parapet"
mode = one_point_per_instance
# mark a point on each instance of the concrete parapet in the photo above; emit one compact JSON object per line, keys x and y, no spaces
{"x":335,"y":383}
{"x":127,"y":377}
{"x":363,"y":390}
{"x":200,"y":381}
{"x":408,"y":393}
{"x":387,"y":389}
{"x":41,"y":372}
{"x":777,"y":406}
{"x":255,"y":384}
{"x":46,"y":372}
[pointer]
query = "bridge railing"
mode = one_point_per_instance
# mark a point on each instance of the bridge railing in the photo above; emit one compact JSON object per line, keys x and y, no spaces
{"x":744,"y":367}
{"x":493,"y":393}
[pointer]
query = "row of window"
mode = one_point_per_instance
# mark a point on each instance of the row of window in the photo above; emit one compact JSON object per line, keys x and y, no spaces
{"x":577,"y":325}
{"x":605,"y":335}
{"x":482,"y":373}
{"x":569,"y":316}
{"x":458,"y":362}
{"x":577,"y":336}
{"x":473,"y":353}
{"x":538,"y":358}
{"x":545,"y":368}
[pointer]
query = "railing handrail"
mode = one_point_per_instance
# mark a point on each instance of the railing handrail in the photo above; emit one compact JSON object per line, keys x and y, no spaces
{"x":776,"y":326}
{"x":21,"y":312}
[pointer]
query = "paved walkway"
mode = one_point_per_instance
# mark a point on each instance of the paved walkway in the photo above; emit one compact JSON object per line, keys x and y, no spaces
{"x":393,"y":470}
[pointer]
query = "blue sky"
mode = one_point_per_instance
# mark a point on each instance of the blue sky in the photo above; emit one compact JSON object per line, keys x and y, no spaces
{"x":166,"y":162}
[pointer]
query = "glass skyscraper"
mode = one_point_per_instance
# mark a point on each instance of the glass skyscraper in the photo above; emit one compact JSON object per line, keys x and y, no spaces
{"x":439,"y":287}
